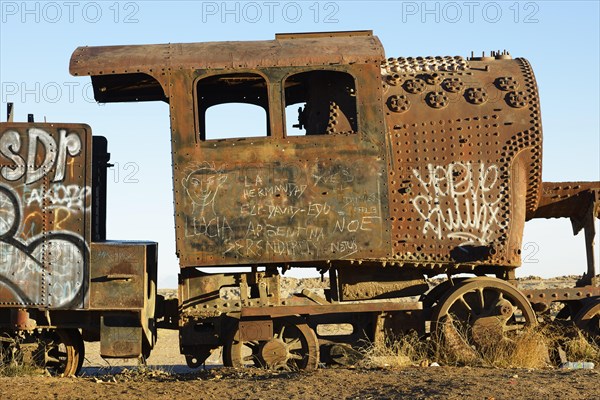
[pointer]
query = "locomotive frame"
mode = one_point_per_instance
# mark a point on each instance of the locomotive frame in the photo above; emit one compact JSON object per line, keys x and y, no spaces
{"x":397,"y":170}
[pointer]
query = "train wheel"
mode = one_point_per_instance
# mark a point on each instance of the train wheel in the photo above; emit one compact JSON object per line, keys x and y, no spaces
{"x":433,"y":296}
{"x":240,"y":354}
{"x":64,"y":351}
{"x":588,"y":320}
{"x":294,"y":346}
{"x":478,"y":314}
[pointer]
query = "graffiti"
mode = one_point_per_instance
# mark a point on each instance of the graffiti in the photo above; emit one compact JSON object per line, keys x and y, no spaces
{"x":254,"y":188}
{"x":337,"y":177}
{"x":356,"y":199}
{"x":283,"y":210}
{"x":259,"y":248}
{"x":285,"y":231}
{"x":58,"y":196}
{"x":344,"y":248}
{"x":47,"y":268}
{"x":216,"y":227}
{"x":313,"y":210}
{"x":364,"y":223}
{"x":461,"y":201}
{"x":40,"y":142}
{"x":202,"y":185}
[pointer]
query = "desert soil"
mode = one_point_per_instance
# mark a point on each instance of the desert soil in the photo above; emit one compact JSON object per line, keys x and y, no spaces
{"x":167,"y":377}
{"x":226,"y":383}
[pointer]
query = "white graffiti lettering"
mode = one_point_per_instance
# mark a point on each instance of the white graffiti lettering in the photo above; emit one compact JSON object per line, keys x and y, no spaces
{"x":259,"y":248}
{"x":268,"y":231}
{"x":354,"y":225}
{"x":216,"y":227}
{"x":459,"y":201}
{"x":289,"y":189}
{"x":69,"y":197}
{"x":40,"y":142}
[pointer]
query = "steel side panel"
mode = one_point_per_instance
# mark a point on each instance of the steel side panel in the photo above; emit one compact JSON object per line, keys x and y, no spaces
{"x":117,"y":275}
{"x":281,"y":200}
{"x":45,"y":198}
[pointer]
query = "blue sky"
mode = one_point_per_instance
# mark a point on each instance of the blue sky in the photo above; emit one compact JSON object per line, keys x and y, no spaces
{"x":559,"y":38}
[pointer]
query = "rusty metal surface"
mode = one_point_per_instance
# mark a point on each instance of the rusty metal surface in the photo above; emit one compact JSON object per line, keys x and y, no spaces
{"x":548,"y":296}
{"x":465,"y":158}
{"x":118,"y":274}
{"x":438,"y":166}
{"x":284,"y":51}
{"x":580,"y":202}
{"x":281,"y":311}
{"x":120,"y":336}
{"x":45,"y":198}
{"x":256,"y":330}
{"x":379,"y":283}
{"x":568,"y":200}
{"x":281,"y":199}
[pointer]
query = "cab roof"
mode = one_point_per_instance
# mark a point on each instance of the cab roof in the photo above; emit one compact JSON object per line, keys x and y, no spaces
{"x":292,"y":49}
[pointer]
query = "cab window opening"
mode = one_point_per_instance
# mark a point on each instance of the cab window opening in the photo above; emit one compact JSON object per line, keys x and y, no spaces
{"x":233,"y":106}
{"x":320,"y":103}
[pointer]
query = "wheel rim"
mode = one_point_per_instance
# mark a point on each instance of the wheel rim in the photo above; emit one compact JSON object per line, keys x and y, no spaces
{"x":294,"y":346}
{"x":240,"y":354}
{"x":478,"y":314}
{"x":60,"y":352}
{"x":63,"y":352}
{"x":588,"y":320}
{"x":433,"y":296}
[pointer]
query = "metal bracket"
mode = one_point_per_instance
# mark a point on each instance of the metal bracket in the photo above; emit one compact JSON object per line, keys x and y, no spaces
{"x":256,"y":330}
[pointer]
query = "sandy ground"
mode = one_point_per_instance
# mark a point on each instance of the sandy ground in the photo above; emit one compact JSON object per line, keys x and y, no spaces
{"x":167,"y":377}
{"x":409,"y":383}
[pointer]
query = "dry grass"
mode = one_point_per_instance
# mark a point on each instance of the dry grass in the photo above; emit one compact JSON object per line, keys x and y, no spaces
{"x":140,"y":373}
{"x":396,"y":352}
{"x":527,"y":349}
{"x":534,"y":347}
{"x":12,"y":364}
{"x":575,"y":343}
{"x":580,"y":348}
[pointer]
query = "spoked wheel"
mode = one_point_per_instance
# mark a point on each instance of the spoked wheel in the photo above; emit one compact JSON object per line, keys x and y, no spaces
{"x":588,"y":320}
{"x":59,"y":351}
{"x":294,"y":346}
{"x":433,"y":296}
{"x":239,"y":354}
{"x":64,"y":351}
{"x":478,"y":314}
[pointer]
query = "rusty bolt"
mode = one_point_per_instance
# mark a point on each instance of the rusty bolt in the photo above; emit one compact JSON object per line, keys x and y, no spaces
{"x":507,"y":83}
{"x":506,"y":310}
{"x":398,"y":103}
{"x":394,"y":79}
{"x":437,"y":99}
{"x":452,"y":85}
{"x":476,"y":95}
{"x":414,"y":86}
{"x":433,"y":79}
{"x":517,"y":99}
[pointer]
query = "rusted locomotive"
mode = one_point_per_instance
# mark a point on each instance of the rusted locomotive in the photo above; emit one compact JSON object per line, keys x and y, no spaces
{"x":394,"y":170}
